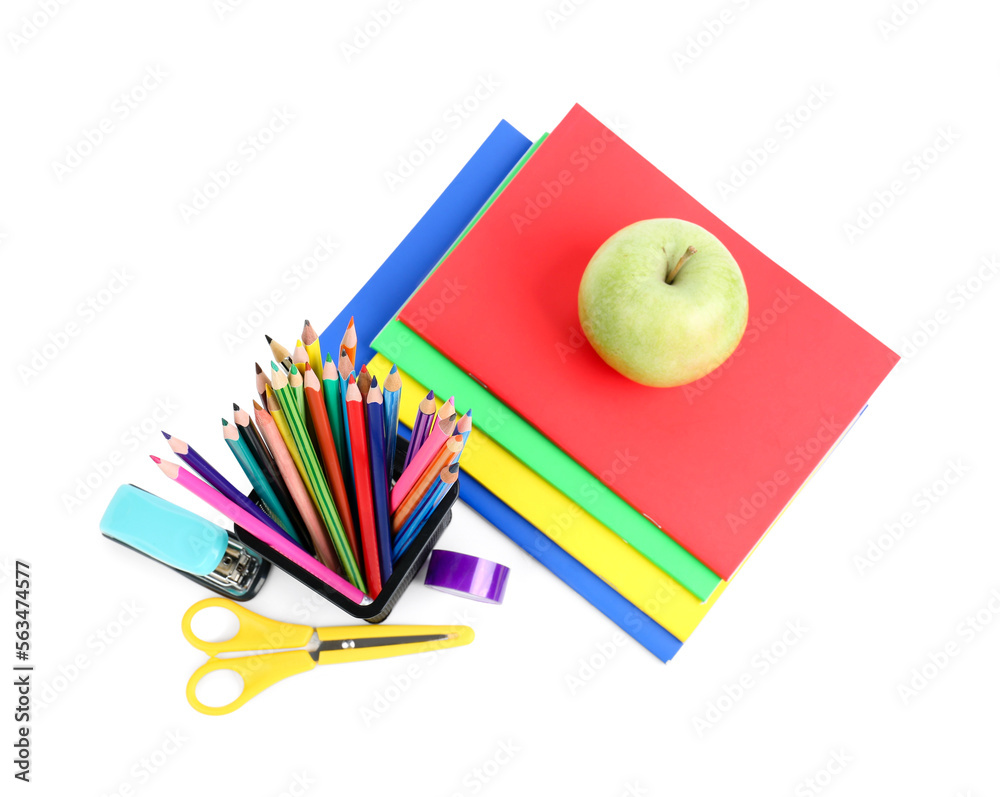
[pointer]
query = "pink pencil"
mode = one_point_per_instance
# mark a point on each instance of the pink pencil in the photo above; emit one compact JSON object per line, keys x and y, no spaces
{"x":297,"y":489}
{"x":444,"y":427}
{"x":237,"y":514}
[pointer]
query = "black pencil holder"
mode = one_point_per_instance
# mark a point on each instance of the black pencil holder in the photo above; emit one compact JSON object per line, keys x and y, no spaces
{"x":403,"y":571}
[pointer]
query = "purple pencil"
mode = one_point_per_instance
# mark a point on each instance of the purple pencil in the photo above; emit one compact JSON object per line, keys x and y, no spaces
{"x":421,"y":426}
{"x":203,"y":468}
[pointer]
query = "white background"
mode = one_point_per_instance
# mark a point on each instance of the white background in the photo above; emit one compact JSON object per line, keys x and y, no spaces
{"x":633,"y":725}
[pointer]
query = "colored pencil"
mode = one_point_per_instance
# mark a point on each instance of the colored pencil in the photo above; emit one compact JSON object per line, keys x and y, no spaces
{"x":444,"y":426}
{"x":299,"y":393}
{"x":390,"y":402}
{"x":297,"y":488}
{"x":443,"y":459}
{"x":278,"y":414}
{"x":364,"y":382}
{"x":310,"y":339}
{"x":335,"y":412}
{"x":427,"y":505}
{"x":345,"y":370}
{"x":379,"y":477}
{"x":331,"y":464}
{"x":299,"y":355}
{"x":265,"y":461}
{"x":327,"y":508}
{"x":256,"y":478}
{"x":350,"y":342}
{"x":237,"y":514}
{"x":421,"y":426}
{"x":203,"y":468}
{"x":248,"y":431}
{"x":464,"y":427}
{"x":280,"y":353}
{"x":262,"y":380}
{"x":363,"y":488}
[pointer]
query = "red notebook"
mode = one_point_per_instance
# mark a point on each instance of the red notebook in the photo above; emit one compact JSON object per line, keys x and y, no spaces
{"x":712,"y":463}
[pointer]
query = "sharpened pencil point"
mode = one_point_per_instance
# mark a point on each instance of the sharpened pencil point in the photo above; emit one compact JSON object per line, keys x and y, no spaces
{"x":274,"y":365}
{"x":155,"y":458}
{"x":257,"y":369}
{"x":257,"y":406}
{"x":430,"y":394}
{"x":268,"y":338}
{"x":225,"y":422}
{"x":236,"y":407}
{"x":166,"y":435}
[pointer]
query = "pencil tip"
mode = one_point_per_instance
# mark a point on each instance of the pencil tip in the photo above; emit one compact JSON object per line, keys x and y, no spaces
{"x":329,"y":357}
{"x":268,"y":338}
{"x":274,"y":365}
{"x":393,"y":370}
{"x":236,"y":407}
{"x":307,"y":324}
{"x":257,"y":368}
{"x":257,"y":406}
{"x":155,"y":458}
{"x":430,"y":394}
{"x":166,"y":436}
{"x":225,"y":422}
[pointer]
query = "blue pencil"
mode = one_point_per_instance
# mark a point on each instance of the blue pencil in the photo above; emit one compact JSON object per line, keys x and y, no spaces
{"x":379,"y":478}
{"x":390,"y":403}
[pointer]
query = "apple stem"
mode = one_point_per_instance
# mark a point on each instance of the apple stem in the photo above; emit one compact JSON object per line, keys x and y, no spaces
{"x":680,"y":262}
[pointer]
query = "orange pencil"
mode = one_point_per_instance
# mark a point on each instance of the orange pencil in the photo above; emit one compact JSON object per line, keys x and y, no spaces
{"x":368,"y":531}
{"x":328,"y":453}
{"x":297,"y":489}
{"x":444,"y":458}
{"x":350,"y":342}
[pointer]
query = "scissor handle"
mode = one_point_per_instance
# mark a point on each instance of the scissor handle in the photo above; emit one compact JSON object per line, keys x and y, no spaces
{"x":255,"y":632}
{"x":258,"y":672}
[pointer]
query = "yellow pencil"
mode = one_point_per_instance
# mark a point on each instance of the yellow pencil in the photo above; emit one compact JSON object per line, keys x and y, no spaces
{"x":311,"y":342}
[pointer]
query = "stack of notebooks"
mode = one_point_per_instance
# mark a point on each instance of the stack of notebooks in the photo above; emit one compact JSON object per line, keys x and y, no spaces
{"x":646,"y":501}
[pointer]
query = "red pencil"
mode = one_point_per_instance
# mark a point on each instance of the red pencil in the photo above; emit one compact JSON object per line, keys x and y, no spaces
{"x":328,"y":453}
{"x":363,"y":487}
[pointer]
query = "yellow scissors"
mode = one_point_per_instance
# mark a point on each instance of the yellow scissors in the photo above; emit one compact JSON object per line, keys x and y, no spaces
{"x":318,"y":646}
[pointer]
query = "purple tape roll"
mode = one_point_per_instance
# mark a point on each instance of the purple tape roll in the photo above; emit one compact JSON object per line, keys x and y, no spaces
{"x":467,"y":576}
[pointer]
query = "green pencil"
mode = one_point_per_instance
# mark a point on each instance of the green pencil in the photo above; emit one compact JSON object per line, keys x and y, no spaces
{"x":314,"y":473}
{"x":295,"y":382}
{"x":335,"y":409}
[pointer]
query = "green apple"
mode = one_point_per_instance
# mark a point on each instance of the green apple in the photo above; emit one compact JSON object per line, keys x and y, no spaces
{"x":663,"y":302}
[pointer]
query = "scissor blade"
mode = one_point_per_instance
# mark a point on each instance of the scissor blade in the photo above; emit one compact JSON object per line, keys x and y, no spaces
{"x":377,"y":642}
